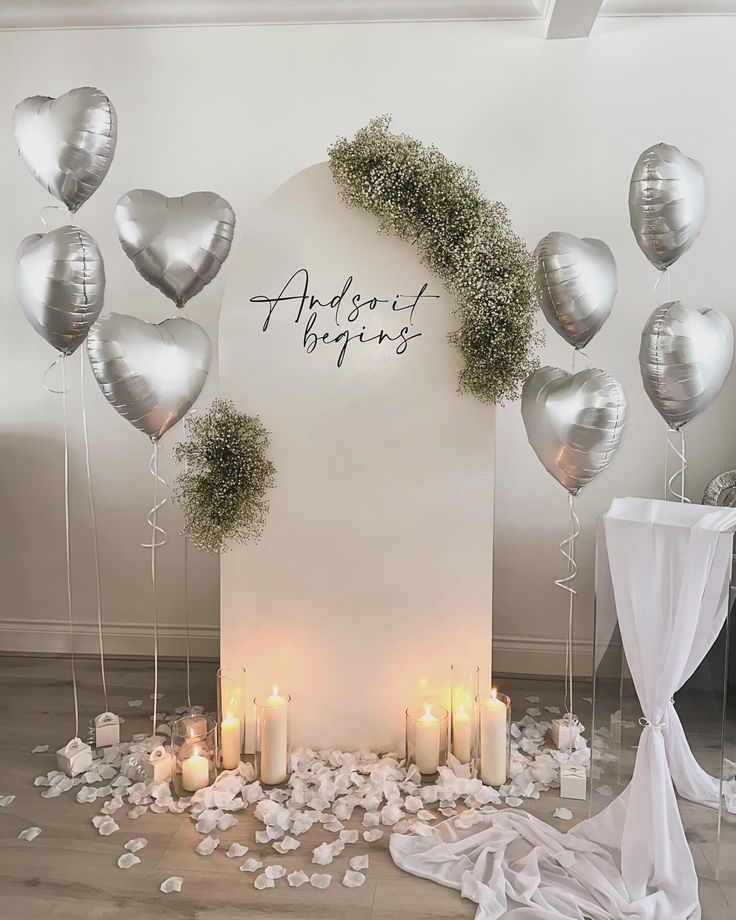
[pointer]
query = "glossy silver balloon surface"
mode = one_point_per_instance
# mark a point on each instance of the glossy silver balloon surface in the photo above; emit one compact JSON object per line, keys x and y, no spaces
{"x":574,"y":422}
{"x":60,"y":284}
{"x":67,"y":143}
{"x":685,"y":357}
{"x":576,"y":282}
{"x":668,"y":199}
{"x":177,"y":244}
{"x":151,"y":374}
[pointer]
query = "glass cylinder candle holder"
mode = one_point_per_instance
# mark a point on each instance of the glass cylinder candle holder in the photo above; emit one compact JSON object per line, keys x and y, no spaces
{"x":426,"y":737}
{"x":494,"y":738}
{"x":194,"y":749}
{"x":464,"y":689}
{"x":272,"y":737}
{"x":230,"y":716}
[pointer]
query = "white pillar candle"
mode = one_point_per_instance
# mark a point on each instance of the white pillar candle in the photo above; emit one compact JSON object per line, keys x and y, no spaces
{"x":493,"y":755}
{"x":427,"y":742}
{"x":462,"y":731}
{"x":230,"y":744}
{"x":274,"y":739}
{"x":195,"y":772}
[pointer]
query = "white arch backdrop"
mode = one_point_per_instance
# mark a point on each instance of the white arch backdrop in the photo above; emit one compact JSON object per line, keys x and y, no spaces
{"x":374,"y":572}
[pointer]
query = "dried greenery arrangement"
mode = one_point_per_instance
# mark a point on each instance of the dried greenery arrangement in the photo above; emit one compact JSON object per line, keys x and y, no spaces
{"x":467,"y":240}
{"x":222,"y":489}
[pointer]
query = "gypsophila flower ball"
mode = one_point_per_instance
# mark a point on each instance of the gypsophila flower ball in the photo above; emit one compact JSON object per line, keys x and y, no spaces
{"x":416,"y":193}
{"x":227,"y":473}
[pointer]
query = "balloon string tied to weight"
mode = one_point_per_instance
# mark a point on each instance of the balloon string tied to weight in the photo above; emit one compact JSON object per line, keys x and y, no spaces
{"x":62,"y":392}
{"x":93,"y":523}
{"x":159,"y":538}
{"x":670,"y":488}
{"x":187,"y":419}
{"x":567,"y":548}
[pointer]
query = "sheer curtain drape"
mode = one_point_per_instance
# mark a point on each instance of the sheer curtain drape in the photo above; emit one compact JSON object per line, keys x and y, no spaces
{"x":667,"y":569}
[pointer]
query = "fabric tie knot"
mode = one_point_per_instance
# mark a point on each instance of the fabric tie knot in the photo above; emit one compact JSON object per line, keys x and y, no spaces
{"x":657,"y":726}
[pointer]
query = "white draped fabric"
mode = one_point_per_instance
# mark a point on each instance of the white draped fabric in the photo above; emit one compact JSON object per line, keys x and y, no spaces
{"x":668,"y":567}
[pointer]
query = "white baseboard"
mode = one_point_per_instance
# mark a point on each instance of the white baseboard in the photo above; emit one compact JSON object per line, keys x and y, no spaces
{"x":540,"y":656}
{"x":511,"y":654}
{"x":121,"y":638}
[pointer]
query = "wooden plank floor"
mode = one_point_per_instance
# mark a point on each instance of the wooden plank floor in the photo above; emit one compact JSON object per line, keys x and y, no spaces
{"x":70,"y":872}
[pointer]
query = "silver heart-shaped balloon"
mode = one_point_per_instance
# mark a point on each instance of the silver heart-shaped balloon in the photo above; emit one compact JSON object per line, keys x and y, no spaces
{"x":177,"y":244}
{"x":60,"y":284}
{"x":67,"y":143}
{"x":577,"y":283}
{"x":684,"y":358}
{"x":668,"y":198}
{"x":151,"y":374}
{"x":574,"y":422}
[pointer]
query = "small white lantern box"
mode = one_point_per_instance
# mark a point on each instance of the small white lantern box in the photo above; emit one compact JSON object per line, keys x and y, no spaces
{"x":75,"y":757}
{"x":158,"y":766}
{"x":106,"y":728}
{"x":573,"y":781}
{"x":565,"y":733}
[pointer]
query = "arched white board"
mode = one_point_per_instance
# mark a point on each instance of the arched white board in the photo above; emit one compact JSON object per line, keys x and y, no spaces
{"x":374,"y":572}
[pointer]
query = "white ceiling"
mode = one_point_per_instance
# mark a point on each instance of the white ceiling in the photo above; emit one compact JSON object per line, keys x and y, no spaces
{"x":50,"y":14}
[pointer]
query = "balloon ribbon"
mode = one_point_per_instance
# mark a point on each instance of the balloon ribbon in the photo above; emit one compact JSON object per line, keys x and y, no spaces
{"x":567,"y":548}
{"x":93,"y":522}
{"x":670,"y":488}
{"x":62,"y":392}
{"x":159,"y":537}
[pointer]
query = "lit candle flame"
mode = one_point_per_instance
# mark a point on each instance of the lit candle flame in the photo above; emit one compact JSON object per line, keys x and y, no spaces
{"x":427,"y":716}
{"x":493,"y":693}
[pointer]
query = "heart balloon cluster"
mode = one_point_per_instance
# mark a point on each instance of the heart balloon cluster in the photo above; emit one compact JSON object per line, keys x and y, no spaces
{"x":151,"y":374}
{"x":686,"y":353}
{"x":68,"y":145}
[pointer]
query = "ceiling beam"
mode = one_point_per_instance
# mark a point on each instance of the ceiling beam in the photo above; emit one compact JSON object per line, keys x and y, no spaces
{"x":571,"y":18}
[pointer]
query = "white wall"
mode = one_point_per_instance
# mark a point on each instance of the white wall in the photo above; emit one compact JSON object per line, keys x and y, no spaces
{"x":552,"y":128}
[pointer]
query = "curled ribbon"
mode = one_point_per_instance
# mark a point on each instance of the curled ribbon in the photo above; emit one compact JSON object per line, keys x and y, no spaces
{"x":657,"y":726}
{"x":567,"y":548}
{"x":159,"y":537}
{"x":67,"y":532}
{"x":680,"y":471}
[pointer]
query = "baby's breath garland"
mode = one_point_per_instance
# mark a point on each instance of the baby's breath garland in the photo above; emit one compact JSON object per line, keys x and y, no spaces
{"x":418,"y":194}
{"x":223,"y":486}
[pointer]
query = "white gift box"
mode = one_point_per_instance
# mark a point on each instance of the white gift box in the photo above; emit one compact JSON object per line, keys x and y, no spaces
{"x":158,"y":767}
{"x":573,"y":781}
{"x":106,"y":729}
{"x":75,"y":757}
{"x":565,"y":733}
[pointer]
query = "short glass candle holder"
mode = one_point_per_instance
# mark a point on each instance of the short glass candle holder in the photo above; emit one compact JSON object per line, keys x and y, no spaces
{"x":494,"y":738}
{"x":194,"y":748}
{"x":426,"y":737}
{"x":272,"y":738}
{"x":231,"y":716}
{"x":463,"y":711}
